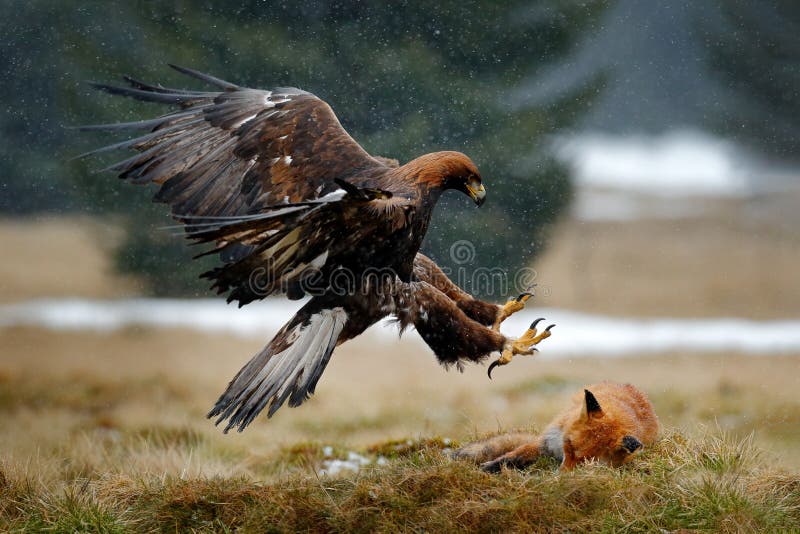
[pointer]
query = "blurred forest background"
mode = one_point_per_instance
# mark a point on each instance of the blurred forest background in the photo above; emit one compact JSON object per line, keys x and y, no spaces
{"x":640,"y":155}
{"x":494,"y":80}
{"x":404,"y":79}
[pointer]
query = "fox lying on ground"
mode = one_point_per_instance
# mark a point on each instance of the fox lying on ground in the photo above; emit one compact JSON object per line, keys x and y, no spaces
{"x":608,"y":422}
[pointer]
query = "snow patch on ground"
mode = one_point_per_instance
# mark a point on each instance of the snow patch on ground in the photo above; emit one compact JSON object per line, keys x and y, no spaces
{"x":605,"y":205}
{"x":669,"y":175}
{"x":353,"y":463}
{"x":586,"y":335}
{"x":679,"y":163}
{"x":576,"y":334}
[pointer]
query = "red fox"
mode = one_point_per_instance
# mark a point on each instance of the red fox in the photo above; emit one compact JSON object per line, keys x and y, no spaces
{"x":608,"y":422}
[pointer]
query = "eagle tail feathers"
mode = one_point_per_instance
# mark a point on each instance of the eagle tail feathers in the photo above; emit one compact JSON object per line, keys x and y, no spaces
{"x":288,"y":368}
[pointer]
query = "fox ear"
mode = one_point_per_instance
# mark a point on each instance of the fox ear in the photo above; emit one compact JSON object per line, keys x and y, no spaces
{"x":592,"y":407}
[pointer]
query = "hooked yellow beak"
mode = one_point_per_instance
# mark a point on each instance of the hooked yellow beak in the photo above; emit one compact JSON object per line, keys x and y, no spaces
{"x":477,"y":194}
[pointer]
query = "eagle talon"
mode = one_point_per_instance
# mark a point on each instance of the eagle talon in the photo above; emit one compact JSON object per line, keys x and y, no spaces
{"x":508,"y":354}
{"x":492,"y":366}
{"x":523,"y":294}
{"x":544,"y":335}
{"x":528,"y":291}
{"x":511,"y":307}
{"x":504,"y":359}
{"x":525,"y":345}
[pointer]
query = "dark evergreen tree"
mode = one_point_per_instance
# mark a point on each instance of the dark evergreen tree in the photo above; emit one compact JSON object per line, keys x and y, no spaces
{"x":731,"y":66}
{"x":405,"y":78}
{"x":755,"y":52}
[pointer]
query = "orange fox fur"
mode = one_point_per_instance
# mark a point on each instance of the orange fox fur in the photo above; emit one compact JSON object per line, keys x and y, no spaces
{"x":608,"y":422}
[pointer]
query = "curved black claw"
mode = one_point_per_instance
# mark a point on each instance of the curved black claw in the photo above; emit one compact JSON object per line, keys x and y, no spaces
{"x":492,"y":366}
{"x":549,"y":327}
{"x":534,"y":323}
{"x":524,"y":293}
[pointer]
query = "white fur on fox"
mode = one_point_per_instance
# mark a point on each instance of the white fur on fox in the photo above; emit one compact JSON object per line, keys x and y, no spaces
{"x":554,"y":443}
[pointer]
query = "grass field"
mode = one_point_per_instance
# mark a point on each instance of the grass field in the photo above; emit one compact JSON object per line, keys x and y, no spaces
{"x":106,"y":431}
{"x":679,"y":485}
{"x":110,"y":429}
{"x":736,"y":259}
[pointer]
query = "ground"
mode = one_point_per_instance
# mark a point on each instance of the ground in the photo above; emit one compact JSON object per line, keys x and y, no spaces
{"x":107,"y":430}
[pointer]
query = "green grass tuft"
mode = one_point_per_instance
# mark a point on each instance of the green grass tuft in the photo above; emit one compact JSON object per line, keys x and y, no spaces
{"x":714,"y":483}
{"x":540,"y":385}
{"x":398,"y":448}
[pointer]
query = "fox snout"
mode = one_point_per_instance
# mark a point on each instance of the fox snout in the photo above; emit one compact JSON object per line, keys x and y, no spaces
{"x":631,"y":444}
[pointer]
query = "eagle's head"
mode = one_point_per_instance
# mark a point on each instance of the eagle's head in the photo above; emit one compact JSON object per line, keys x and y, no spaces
{"x":451,"y":170}
{"x":472,"y":185}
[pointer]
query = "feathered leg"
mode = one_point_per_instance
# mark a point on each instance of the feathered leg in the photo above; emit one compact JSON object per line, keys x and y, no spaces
{"x":486,"y":313}
{"x":426,"y":270}
{"x":446,"y":328}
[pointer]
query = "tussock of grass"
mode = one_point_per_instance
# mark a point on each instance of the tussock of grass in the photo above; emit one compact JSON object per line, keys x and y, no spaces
{"x":398,"y":448}
{"x":342,"y":427}
{"x":81,"y":393}
{"x":711,"y":483}
{"x":544,"y":384}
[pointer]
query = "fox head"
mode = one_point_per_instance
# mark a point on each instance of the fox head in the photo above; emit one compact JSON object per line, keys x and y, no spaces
{"x":607,"y":434}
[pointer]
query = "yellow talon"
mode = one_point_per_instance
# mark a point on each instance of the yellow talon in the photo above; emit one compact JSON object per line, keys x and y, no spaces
{"x":505,"y":357}
{"x":544,"y":335}
{"x":524,"y":345}
{"x":510,"y":308}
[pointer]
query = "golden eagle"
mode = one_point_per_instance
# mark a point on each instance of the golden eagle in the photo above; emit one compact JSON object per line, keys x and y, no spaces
{"x":292,"y":204}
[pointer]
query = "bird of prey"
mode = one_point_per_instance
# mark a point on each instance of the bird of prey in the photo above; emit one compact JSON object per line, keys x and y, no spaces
{"x":293,"y":205}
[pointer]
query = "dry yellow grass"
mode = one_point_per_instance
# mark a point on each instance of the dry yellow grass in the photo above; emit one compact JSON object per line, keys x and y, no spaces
{"x":709,"y":484}
{"x":726,"y":265}
{"x":106,"y":431}
{"x":76,"y":396}
{"x":59,"y":257}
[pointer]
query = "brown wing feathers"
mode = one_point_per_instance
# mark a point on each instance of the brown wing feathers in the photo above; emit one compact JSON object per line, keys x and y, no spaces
{"x":278,"y":186}
{"x":236,"y":152}
{"x":288,"y":242}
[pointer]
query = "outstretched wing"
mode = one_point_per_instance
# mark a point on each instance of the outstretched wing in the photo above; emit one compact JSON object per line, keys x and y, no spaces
{"x":295,"y":248}
{"x":235,"y":150}
{"x":261,"y":172}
